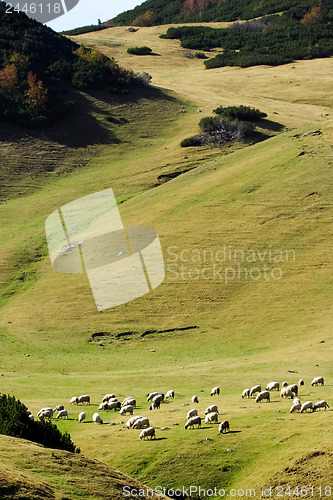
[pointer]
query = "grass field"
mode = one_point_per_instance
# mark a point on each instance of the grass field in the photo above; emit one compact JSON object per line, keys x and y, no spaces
{"x":274,"y":195}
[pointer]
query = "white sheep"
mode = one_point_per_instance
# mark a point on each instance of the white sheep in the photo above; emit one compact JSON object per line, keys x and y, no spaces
{"x":301,"y":382}
{"x":272,"y":386}
{"x":215,"y":390}
{"x":307,"y":406}
{"x":195,"y":399}
{"x":191,"y":422}
{"x":211,"y":409}
{"x":140,"y":423}
{"x":45,"y":413}
{"x":107,"y":397}
{"x":210,"y":418}
{"x":155,"y":405}
{"x":151,"y":395}
{"x":126,"y":409}
{"x":158,"y":398}
{"x":286,"y":393}
{"x":263,"y":395}
{"x":170,"y":394}
{"x":192,"y":413}
{"x":318,"y":381}
{"x":97,"y":419}
{"x":320,"y":404}
{"x":246,"y":393}
{"x":284,"y":384}
{"x":113,"y":405}
{"x":47,"y":410}
{"x":132,"y":420}
{"x":84,"y":399}
{"x":224,"y":426}
{"x":293,"y":388}
{"x":103,"y":406}
{"x":126,"y":401}
{"x":150,"y":432}
{"x":295,"y":407}
{"x":296,"y":401}
{"x":74,"y":399}
{"x":58,"y":408}
{"x":62,"y":414}
{"x":255,"y":389}
{"x":82,"y":416}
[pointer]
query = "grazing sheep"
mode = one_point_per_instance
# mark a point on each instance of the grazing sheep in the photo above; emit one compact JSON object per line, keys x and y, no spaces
{"x":286,"y":393}
{"x":195,"y":399}
{"x":307,"y":406}
{"x":296,"y":401}
{"x":103,"y":406}
{"x":97,"y":419}
{"x":82,"y":416}
{"x":192,"y":413}
{"x":224,"y":426}
{"x":114,"y":405}
{"x":126,"y":409}
{"x":301,"y":382}
{"x":155,"y":405}
{"x":211,"y":409}
{"x":284,"y":384}
{"x":295,"y":407}
{"x":31,"y":417}
{"x":158,"y":398}
{"x":246,"y":393}
{"x":215,"y":390}
{"x":254,"y":389}
{"x":45,"y":414}
{"x":58,"y":408}
{"x":132,"y":421}
{"x":129,"y":401}
{"x":150,"y":432}
{"x":211,"y":418}
{"x":62,"y":414}
{"x":107,"y":397}
{"x":191,"y":422}
{"x":263,"y":395}
{"x":151,"y":395}
{"x":84,"y":399}
{"x":140,"y":423}
{"x":293,"y":388}
{"x":273,"y":385}
{"x":318,"y":381}
{"x":170,"y":394}
{"x":42,"y":410}
{"x":73,"y":400}
{"x":320,"y":404}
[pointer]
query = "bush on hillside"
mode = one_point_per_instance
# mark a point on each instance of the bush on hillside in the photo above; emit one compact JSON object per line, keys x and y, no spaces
{"x":245,"y":113}
{"x":191,"y":141}
{"x":15,"y":422}
{"x":221,"y":130}
{"x":140,"y":51}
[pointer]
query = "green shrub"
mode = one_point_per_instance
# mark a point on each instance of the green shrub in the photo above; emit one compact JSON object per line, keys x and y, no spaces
{"x":245,"y":113}
{"x":190,"y":141}
{"x":220,"y":130}
{"x":15,"y":422}
{"x":201,"y":55}
{"x":140,"y":51}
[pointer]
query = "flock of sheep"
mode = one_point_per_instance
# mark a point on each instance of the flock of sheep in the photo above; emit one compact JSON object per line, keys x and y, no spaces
{"x":127,"y":406}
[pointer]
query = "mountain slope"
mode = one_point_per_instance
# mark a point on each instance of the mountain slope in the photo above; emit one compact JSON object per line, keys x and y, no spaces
{"x":212,"y":10}
{"x":29,"y":471}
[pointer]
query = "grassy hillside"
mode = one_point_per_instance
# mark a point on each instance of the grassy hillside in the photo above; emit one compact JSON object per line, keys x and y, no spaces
{"x":29,"y":471}
{"x":275,"y":195}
